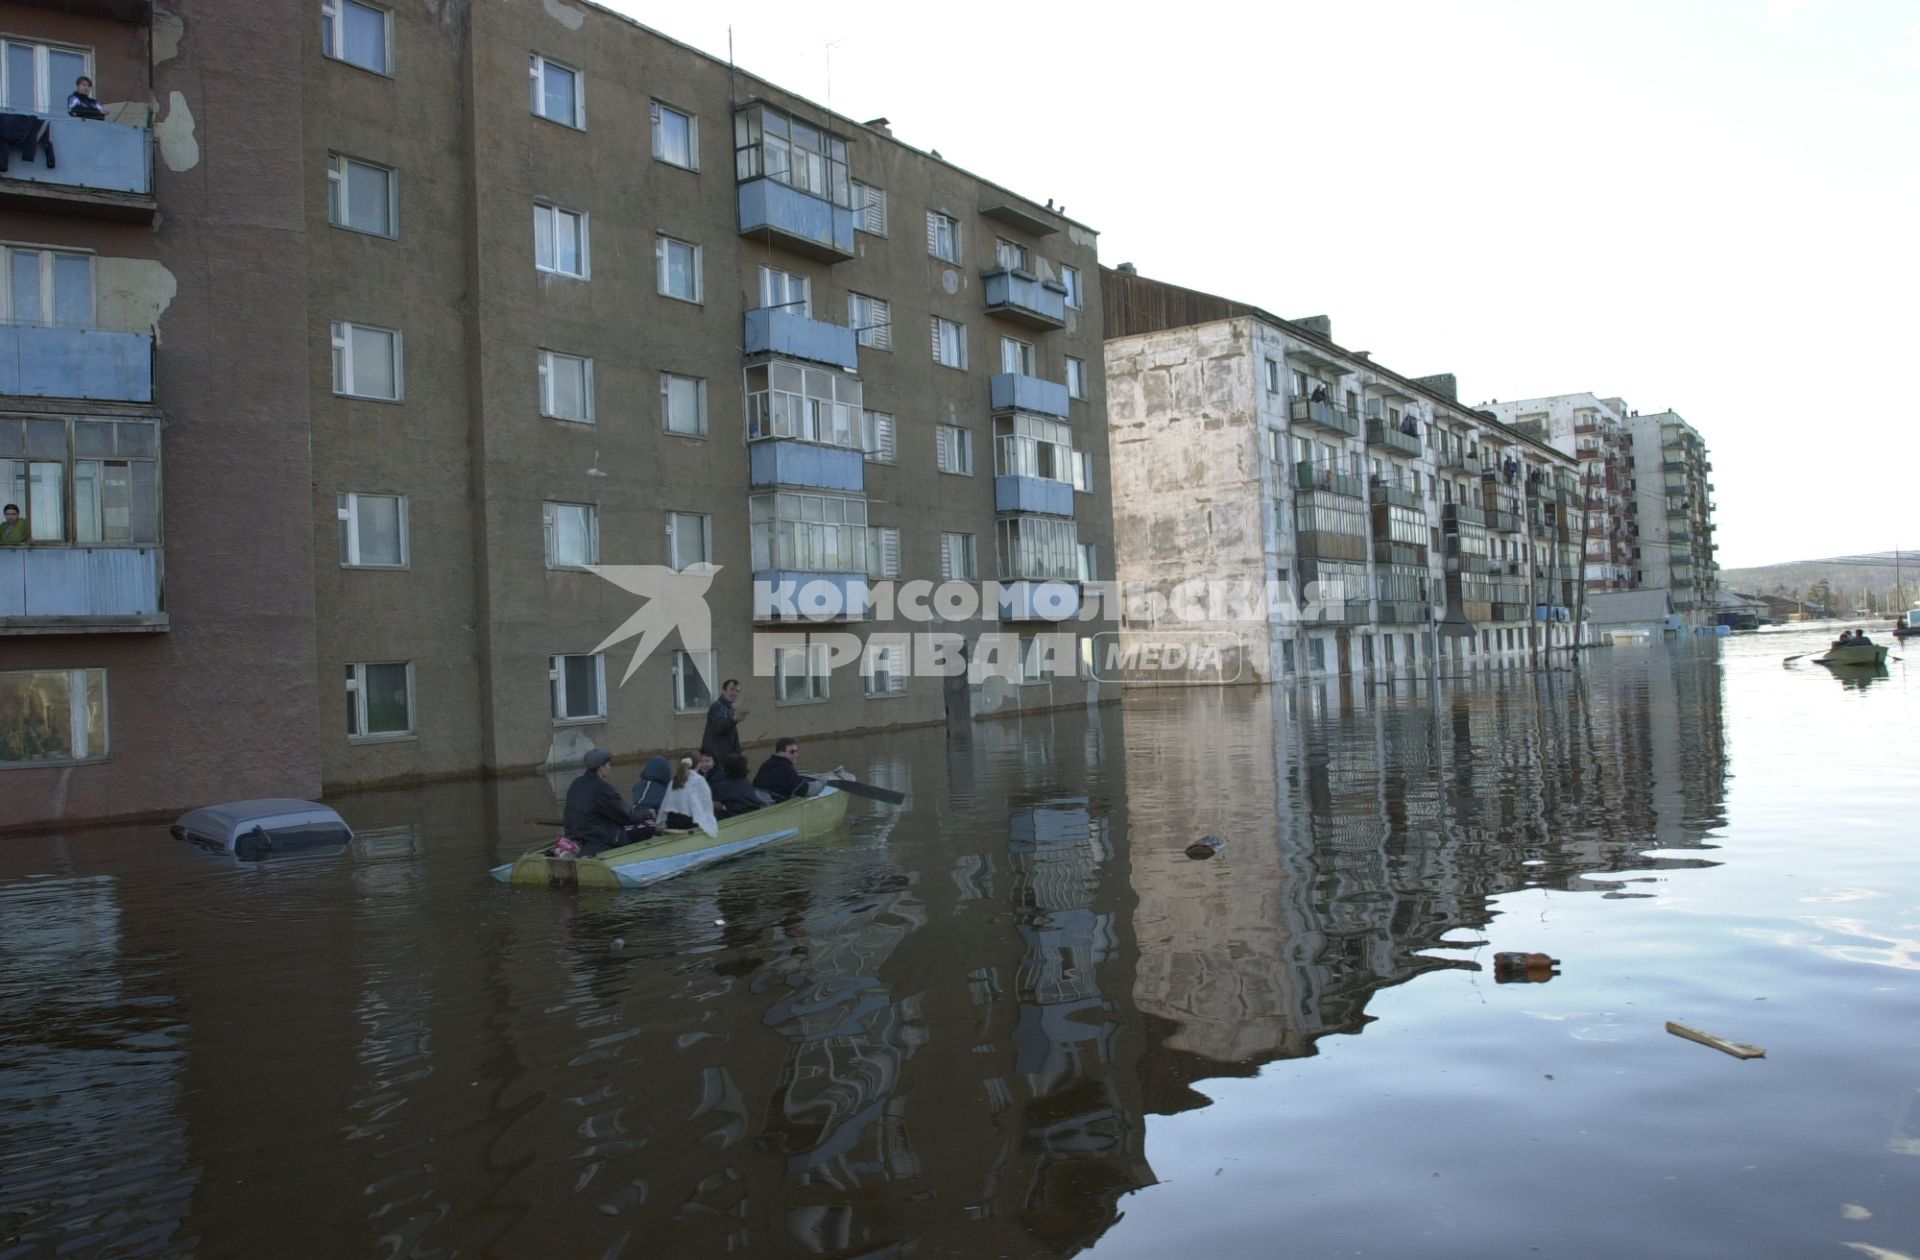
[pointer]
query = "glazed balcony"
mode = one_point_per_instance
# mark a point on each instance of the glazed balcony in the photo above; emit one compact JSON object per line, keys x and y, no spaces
{"x":1457,"y":514}
{"x":1394,"y":494}
{"x":1024,"y":298}
{"x":1032,"y":494}
{"x":787,"y":462}
{"x":1459,"y":461}
{"x":786,"y":332}
{"x":1323,"y":415}
{"x":1322,"y":477}
{"x":100,"y":169}
{"x":1404,"y":612}
{"x":1382,"y":433}
{"x":792,"y":219}
{"x":80,"y":589}
{"x":1012,"y":391}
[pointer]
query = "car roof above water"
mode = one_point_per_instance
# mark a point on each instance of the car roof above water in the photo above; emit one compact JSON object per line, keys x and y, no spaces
{"x":223,"y":824}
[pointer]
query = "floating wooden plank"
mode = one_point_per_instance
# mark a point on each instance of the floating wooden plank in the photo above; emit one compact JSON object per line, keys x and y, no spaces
{"x":1738,"y":1049}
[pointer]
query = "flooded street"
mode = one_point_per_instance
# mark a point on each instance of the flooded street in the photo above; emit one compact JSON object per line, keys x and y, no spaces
{"x":1013,"y":1018}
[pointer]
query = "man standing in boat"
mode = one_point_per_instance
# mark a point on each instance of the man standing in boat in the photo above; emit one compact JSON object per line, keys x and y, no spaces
{"x":723,"y":723}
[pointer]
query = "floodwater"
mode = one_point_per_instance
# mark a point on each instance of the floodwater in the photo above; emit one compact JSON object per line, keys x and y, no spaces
{"x":1012,"y":1018}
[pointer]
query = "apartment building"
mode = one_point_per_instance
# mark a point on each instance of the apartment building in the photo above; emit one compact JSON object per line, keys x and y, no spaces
{"x":1388,"y":525}
{"x":1593,"y":430}
{"x":495,"y":295}
{"x":156,"y":611}
{"x":1682,"y":494}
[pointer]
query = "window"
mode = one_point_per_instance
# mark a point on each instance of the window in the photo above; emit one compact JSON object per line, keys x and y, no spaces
{"x":883,"y":667}
{"x":1017,"y":356}
{"x":1083,"y":481}
{"x":679,"y":266}
{"x":1036,"y":548}
{"x":1011,"y":255}
{"x":773,"y":144}
{"x":787,"y":290}
{"x":958,"y":561}
{"x":101,"y":475}
{"x":579,"y":686}
{"x":566,"y":387}
{"x":689,"y":540}
{"x":953,"y":449}
{"x":573,"y":534}
{"x":361,"y":196}
{"x":869,"y":209}
{"x":373,"y":530}
{"x":949,"y":343}
{"x":943,"y":237}
{"x":883,"y":552}
{"x":1033,"y":446}
{"x":51,"y":716}
{"x":693,"y":675}
{"x":366,"y":362}
{"x":878,"y":437}
{"x":800,"y":673}
{"x":558,"y":94}
{"x":559,"y":240}
{"x":1070,"y":277}
{"x":1273,"y":377}
{"x":380,"y":701}
{"x":48,"y":286}
{"x":1089,"y":563}
{"x":683,"y":405}
{"x":808,"y":533}
{"x":786,"y":400}
{"x":358,"y":34}
{"x":1076,"y":377}
{"x":871,"y":319}
{"x":676,"y":137}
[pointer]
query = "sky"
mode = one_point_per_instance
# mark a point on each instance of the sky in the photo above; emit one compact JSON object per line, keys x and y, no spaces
{"x":1709,"y":206}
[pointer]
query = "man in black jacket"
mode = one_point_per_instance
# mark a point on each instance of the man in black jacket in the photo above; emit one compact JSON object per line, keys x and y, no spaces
{"x":723,"y":722}
{"x":778,"y":777}
{"x":596,"y":818}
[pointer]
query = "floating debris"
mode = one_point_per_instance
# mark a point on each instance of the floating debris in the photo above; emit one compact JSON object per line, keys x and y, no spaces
{"x":1205,"y":847}
{"x":1738,"y":1049}
{"x":1524,"y":968}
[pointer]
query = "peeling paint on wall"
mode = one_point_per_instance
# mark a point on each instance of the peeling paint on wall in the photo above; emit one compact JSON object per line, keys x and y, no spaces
{"x":565,"y":14}
{"x":131,"y":294}
{"x":168,"y":30}
{"x":1081,"y":237}
{"x":179,"y":148}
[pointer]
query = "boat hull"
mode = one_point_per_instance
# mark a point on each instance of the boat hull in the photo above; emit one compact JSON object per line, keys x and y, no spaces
{"x":677,"y":852}
{"x":1871,"y":654}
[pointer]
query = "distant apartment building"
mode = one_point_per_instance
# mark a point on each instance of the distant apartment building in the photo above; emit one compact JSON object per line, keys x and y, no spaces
{"x":1650,"y":506}
{"x":1256,"y":451}
{"x":476,"y":299}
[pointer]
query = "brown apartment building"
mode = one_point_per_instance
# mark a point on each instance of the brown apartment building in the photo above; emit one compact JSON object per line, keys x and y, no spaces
{"x":474,"y":298}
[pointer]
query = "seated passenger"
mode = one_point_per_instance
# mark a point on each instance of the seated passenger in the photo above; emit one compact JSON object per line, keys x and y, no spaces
{"x":652,"y":787}
{"x":689,"y":802}
{"x":595,"y":819}
{"x":734,"y":793}
{"x":778,"y":777}
{"x":707,"y":766}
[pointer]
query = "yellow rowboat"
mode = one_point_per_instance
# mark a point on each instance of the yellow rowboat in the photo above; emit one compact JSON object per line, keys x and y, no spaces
{"x":1862,"y":654}
{"x":677,"y":852}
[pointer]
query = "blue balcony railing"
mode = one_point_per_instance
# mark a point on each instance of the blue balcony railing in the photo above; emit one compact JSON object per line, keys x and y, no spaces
{"x":776,"y":330}
{"x":47,"y":362}
{"x":89,"y":157}
{"x":1025,"y":299}
{"x":1013,"y":392}
{"x":796,"y":220}
{"x":1032,"y":494}
{"x":54,"y":588}
{"x":784,"y":462}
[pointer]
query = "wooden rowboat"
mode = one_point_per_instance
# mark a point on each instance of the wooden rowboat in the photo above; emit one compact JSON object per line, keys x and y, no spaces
{"x":677,"y":852}
{"x":1856,"y":654}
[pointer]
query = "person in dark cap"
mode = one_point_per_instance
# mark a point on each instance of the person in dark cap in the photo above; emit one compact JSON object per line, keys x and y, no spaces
{"x":596,"y":818}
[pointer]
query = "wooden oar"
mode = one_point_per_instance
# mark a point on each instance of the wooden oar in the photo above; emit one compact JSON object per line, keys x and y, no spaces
{"x":853,"y":787}
{"x":1796,"y":656}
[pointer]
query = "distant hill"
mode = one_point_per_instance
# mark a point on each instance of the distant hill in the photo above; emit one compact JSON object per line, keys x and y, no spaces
{"x":1848,"y":586}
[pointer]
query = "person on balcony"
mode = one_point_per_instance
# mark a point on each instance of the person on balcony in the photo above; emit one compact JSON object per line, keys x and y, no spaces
{"x":14,"y":531}
{"x":1318,"y":395}
{"x":80,"y":102}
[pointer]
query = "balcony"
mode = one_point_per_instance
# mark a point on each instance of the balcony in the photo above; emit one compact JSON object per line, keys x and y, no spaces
{"x":102,"y":169}
{"x":786,"y":332}
{"x":80,"y":590}
{"x":786,"y":462}
{"x":787,"y":595}
{"x":1039,"y":601}
{"x":1410,"y":555}
{"x":1509,"y":611}
{"x":38,"y":361}
{"x":1503,"y":521}
{"x":1323,"y":415}
{"x":1381,"y":433}
{"x":1675,"y":465}
{"x":791,"y":219}
{"x":1388,"y":492}
{"x":1404,"y":612}
{"x":1458,"y":514}
{"x":1320,"y":477}
{"x":1459,"y":461}
{"x":1322,"y":544}
{"x":1679,"y":536}
{"x":1025,"y":299}
{"x":1032,"y":494}
{"x":1010,"y":391}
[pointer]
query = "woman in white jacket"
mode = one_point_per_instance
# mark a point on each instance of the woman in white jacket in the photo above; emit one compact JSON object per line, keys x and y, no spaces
{"x":689,"y":801}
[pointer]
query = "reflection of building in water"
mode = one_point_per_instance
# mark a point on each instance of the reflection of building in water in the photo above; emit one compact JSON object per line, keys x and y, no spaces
{"x":1375,"y":831}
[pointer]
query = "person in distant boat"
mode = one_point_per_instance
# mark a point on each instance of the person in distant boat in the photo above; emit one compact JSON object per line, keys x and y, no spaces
{"x":1860,"y":639}
{"x":778,"y":777}
{"x":689,"y":802}
{"x":734,"y":793}
{"x":596,"y":818}
{"x":80,"y":102}
{"x":723,"y":721}
{"x":14,"y":531}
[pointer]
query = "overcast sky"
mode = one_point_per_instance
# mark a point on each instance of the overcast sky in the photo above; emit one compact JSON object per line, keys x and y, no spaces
{"x":1708,"y":205}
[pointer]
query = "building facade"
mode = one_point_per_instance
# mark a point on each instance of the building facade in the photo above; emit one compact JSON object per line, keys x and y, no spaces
{"x":602,"y":300}
{"x":1683,"y":496}
{"x":1593,"y":430}
{"x":1387,"y":524}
